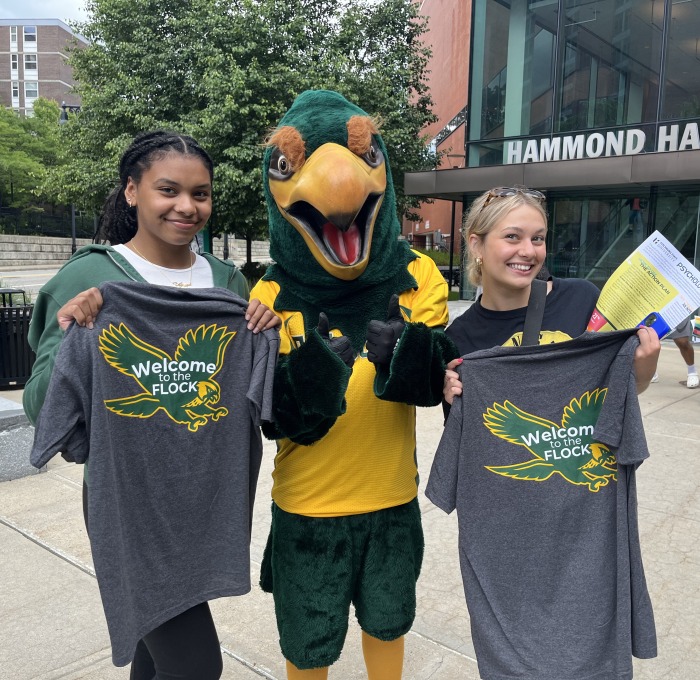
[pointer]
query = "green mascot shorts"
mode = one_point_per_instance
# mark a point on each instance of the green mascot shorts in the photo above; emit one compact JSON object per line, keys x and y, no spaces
{"x":316,"y":566}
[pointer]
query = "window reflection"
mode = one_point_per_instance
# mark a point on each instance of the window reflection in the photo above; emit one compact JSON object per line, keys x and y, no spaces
{"x":683,"y":62}
{"x":609,"y":56}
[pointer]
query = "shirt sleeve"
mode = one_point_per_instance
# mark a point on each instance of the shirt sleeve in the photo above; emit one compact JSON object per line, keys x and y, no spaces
{"x":45,"y":338}
{"x":428,"y":304}
{"x":444,"y":474}
{"x":633,"y":447}
{"x":620,"y":422}
{"x":62,"y":423}
{"x":261,"y":381}
{"x":239,"y":284}
{"x":292,"y":323}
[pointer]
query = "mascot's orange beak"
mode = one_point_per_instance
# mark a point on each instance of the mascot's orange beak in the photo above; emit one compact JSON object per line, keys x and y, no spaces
{"x":333,"y":202}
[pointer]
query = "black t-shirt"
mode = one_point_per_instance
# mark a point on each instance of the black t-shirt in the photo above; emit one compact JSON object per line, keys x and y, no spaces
{"x":567,"y":311}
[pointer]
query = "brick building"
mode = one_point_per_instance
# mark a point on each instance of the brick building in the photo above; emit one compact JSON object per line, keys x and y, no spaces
{"x":448,"y":37}
{"x":33,"y":55}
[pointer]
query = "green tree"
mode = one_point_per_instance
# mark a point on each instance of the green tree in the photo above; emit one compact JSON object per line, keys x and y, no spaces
{"x":225,"y":71}
{"x":29,"y":147}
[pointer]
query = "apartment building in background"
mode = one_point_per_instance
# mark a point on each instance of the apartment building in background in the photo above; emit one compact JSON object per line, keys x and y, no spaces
{"x":33,"y":62}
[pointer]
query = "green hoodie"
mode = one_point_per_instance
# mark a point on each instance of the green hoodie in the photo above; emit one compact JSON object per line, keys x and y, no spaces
{"x":90,"y":266}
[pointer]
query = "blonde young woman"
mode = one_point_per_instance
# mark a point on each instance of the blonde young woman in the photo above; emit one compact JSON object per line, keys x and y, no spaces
{"x":506,"y":230}
{"x":549,"y":551}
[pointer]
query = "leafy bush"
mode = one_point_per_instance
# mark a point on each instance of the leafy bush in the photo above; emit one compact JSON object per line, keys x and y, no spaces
{"x":254,"y":271}
{"x":440,"y":257}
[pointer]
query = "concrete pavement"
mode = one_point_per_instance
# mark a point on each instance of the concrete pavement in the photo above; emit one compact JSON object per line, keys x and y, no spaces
{"x":52,"y":626}
{"x":29,"y":279}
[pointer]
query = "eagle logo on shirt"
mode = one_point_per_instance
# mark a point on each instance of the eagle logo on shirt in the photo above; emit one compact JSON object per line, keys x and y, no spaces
{"x":545,"y":338}
{"x":183,"y":386}
{"x":567,"y":449}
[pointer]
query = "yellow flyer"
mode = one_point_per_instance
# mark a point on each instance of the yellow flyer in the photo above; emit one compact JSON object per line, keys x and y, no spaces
{"x":654,"y":286}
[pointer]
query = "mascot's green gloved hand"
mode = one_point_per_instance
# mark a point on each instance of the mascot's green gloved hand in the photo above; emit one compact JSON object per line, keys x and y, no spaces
{"x":340,"y":346}
{"x":382,"y":337}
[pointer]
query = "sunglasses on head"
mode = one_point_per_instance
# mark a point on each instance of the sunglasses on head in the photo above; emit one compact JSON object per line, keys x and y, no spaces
{"x":504,"y":192}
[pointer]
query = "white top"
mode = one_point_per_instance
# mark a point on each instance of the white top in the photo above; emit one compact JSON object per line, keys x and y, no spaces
{"x":201,"y":276}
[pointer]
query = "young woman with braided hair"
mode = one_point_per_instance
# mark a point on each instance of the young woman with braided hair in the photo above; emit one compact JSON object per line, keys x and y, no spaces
{"x":163,"y":200}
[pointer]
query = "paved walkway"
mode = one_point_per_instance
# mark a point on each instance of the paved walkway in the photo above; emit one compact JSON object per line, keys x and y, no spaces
{"x":52,"y":626}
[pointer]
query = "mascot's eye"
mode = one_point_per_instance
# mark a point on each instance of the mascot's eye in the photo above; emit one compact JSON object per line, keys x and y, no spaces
{"x":280,"y":167}
{"x":374,"y":156}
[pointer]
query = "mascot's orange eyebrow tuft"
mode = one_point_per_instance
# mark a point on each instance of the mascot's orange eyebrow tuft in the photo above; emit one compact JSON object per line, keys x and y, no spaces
{"x":289,"y":141}
{"x":360,"y":131}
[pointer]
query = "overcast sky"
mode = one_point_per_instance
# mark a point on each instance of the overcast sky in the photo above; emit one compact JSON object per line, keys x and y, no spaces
{"x":66,"y":10}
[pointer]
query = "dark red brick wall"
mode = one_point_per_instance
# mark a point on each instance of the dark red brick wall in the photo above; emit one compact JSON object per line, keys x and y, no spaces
{"x":55,"y":76}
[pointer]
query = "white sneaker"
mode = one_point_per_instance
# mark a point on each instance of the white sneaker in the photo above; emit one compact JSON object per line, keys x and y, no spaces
{"x":693,"y":381}
{"x":655,"y":377}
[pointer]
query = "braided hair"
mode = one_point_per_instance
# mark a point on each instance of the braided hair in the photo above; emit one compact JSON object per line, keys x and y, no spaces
{"x":118,"y":223}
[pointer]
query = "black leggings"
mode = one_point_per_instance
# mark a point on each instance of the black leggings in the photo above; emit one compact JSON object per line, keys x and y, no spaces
{"x":184,"y":648}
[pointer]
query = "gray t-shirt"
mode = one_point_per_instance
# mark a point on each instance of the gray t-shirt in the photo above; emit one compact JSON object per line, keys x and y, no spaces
{"x":165,"y":396}
{"x":539,"y":458}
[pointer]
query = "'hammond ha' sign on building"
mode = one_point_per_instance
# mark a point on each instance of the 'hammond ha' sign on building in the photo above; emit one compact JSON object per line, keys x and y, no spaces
{"x":597,"y":144}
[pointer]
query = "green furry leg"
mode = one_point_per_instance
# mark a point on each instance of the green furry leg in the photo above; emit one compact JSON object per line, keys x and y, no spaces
{"x":316,"y":566}
{"x":311,"y":581}
{"x":385,"y":592}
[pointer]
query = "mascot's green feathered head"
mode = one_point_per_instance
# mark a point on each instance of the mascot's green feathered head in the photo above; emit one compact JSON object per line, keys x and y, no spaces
{"x":329,"y":193}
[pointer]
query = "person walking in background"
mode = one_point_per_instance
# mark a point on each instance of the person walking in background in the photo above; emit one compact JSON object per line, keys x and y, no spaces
{"x":635,"y":222}
{"x":163,"y":200}
{"x":682,"y":336}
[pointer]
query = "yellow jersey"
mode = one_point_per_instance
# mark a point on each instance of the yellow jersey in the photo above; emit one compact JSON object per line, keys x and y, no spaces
{"x":367,"y":461}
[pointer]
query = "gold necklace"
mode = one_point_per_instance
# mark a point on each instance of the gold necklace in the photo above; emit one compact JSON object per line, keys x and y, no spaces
{"x":177,"y":284}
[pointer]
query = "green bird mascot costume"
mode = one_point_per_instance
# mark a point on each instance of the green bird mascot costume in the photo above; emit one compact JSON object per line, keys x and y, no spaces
{"x":362,"y":345}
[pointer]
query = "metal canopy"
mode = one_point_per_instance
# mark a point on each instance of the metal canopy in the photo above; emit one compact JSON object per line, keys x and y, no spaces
{"x":670,"y":168}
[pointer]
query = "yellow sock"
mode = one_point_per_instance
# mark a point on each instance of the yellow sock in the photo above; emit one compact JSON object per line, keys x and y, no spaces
{"x":293,"y":673}
{"x":384,"y":660}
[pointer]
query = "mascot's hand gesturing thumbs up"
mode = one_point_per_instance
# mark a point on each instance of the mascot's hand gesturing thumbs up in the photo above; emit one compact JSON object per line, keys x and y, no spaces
{"x":340,"y":345}
{"x":383,"y":338}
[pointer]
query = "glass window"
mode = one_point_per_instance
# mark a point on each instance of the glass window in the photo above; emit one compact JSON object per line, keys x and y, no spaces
{"x":30,"y":34}
{"x":489,"y":73}
{"x":574,"y":92}
{"x":493,"y":105}
{"x":30,"y":62}
{"x":682,"y":84}
{"x":550,"y":67}
{"x":542,"y":82}
{"x":15,"y":89}
{"x":589,"y":236}
{"x":31,"y":90}
{"x":13,"y":34}
{"x":611,"y":63}
{"x":513,"y":68}
{"x":15,"y":61}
